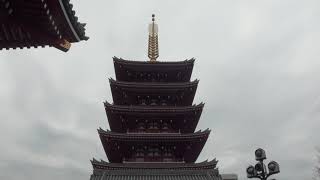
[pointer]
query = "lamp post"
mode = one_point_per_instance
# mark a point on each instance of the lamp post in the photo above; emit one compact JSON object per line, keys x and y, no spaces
{"x":260,"y":170}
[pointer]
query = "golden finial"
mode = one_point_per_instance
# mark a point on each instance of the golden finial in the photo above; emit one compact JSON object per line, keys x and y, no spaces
{"x":153,"y":48}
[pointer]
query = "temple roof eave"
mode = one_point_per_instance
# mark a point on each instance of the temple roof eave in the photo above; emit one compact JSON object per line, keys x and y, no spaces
{"x":155,"y":71}
{"x":154,"y":136}
{"x":121,"y":117}
{"x":147,"y":165}
{"x":40,"y":23}
{"x":121,"y":61}
{"x":153,"y":85}
{"x":76,"y":28}
{"x":167,"y":109}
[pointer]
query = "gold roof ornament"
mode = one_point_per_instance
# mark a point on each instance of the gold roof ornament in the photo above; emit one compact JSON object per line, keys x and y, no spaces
{"x":153,"y":48}
{"x":63,"y":45}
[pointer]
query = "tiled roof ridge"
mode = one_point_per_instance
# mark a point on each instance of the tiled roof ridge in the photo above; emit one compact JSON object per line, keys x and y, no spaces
{"x":78,"y":27}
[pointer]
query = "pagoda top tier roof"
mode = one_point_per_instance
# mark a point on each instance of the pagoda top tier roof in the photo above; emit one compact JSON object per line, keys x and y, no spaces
{"x":39,"y":23}
{"x":155,"y":71}
{"x":153,"y":63}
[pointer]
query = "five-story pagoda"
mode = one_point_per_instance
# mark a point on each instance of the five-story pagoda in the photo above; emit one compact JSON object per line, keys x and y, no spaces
{"x":152,"y":122}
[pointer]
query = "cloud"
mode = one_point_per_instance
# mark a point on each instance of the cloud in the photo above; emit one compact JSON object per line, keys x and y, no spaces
{"x":258,"y":68}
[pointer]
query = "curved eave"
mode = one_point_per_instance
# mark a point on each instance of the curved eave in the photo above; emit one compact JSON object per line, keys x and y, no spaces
{"x":184,"y":118}
{"x":9,"y":46}
{"x":117,"y":145}
{"x":129,"y":93}
{"x":156,"y":109}
{"x":203,"y":135}
{"x":76,"y":28}
{"x":40,"y":23}
{"x":26,"y":37}
{"x":157,"y":166}
{"x":159,"y":71}
{"x":151,"y":85}
{"x":123,"y":62}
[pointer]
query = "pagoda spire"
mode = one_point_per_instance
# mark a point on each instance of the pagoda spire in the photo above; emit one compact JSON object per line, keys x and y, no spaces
{"x":153,"y":48}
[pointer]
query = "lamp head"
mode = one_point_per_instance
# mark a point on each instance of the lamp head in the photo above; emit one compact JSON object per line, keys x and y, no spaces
{"x":273,"y":167}
{"x":259,"y":167}
{"x":260,"y":154}
{"x":251,"y":172}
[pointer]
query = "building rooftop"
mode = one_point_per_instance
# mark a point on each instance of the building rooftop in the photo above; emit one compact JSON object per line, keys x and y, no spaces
{"x":39,"y":23}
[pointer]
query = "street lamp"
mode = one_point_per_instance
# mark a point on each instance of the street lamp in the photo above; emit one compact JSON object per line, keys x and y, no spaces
{"x":260,"y":170}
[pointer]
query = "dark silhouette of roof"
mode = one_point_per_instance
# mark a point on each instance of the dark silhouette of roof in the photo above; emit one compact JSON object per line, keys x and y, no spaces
{"x":34,"y":23}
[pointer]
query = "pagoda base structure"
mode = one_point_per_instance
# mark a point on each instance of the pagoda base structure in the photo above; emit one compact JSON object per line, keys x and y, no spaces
{"x":155,"y":171}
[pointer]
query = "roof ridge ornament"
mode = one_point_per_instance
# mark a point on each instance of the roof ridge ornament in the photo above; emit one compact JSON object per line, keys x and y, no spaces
{"x":153,"y":48}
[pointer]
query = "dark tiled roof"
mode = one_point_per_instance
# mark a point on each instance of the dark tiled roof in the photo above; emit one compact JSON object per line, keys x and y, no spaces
{"x":158,"y":71}
{"x":156,"y":171}
{"x":155,"y":136}
{"x":168,"y":109}
{"x":39,"y":23}
{"x":169,"y":165}
{"x":73,"y":19}
{"x":178,"y":93}
{"x":170,"y":63}
{"x":153,"y":85}
{"x":117,"y":145}
{"x":185,"y":118}
{"x":157,"y":176}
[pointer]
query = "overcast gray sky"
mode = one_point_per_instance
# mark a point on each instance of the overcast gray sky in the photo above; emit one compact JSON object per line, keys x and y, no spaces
{"x":257,"y":61}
